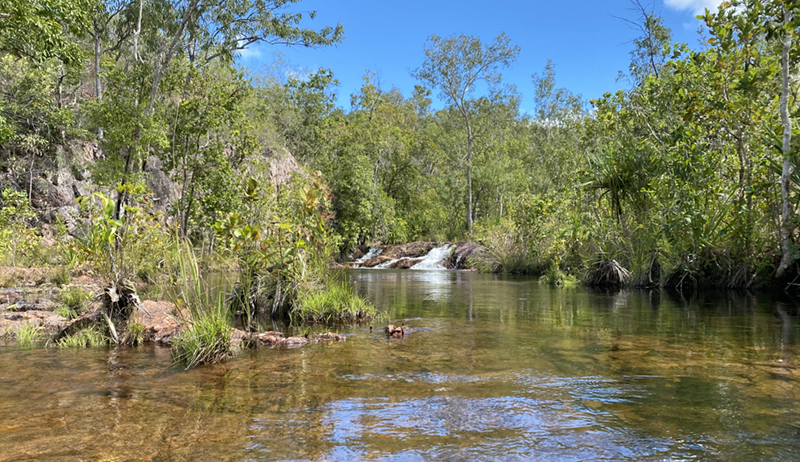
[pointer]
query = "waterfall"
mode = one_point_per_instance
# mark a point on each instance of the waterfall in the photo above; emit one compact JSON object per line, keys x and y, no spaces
{"x":373,"y":252}
{"x":434,"y":259}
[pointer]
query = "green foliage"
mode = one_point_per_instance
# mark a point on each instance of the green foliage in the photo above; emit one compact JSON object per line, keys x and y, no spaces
{"x":335,"y":304}
{"x":207,"y":339}
{"x":90,"y":337}
{"x":74,"y":298}
{"x":17,"y":238}
{"x":136,"y":333}
{"x":33,"y":116}
{"x":41,"y":29}
{"x":29,"y":335}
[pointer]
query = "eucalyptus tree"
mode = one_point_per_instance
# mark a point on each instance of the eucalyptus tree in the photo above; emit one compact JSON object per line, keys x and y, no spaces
{"x":765,"y":30}
{"x":455,"y":65}
{"x":555,"y":131}
{"x":44,"y":29}
{"x":199,"y":31}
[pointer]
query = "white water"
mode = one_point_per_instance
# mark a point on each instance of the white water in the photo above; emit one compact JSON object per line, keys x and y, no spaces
{"x":373,"y":252}
{"x":434,"y":259}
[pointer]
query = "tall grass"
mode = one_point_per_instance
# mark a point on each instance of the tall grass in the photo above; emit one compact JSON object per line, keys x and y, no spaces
{"x":337,"y":303}
{"x":92,"y":336}
{"x":29,"y":335}
{"x":207,"y":339}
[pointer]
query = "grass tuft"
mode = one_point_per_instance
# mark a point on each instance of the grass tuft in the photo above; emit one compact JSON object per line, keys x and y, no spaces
{"x":337,"y":303}
{"x":207,"y":340}
{"x":74,"y":297}
{"x":60,"y":276}
{"x":93,"y":336}
{"x":29,"y":335}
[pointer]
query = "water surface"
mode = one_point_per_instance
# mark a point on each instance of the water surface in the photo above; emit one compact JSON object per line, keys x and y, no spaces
{"x":497,"y":368}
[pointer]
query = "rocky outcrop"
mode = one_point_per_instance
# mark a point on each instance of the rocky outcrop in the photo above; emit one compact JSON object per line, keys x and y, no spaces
{"x":46,"y":321}
{"x":406,"y":256}
{"x":161,"y":321}
{"x":282,"y":165}
{"x":274,"y":338}
{"x":412,"y":250}
{"x":460,"y":256}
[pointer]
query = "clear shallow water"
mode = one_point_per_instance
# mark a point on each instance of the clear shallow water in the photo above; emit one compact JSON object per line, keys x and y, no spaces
{"x":498,"y":369}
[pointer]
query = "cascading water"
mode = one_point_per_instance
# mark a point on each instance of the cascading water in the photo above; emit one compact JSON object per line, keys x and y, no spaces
{"x":434,"y":259}
{"x":373,"y":252}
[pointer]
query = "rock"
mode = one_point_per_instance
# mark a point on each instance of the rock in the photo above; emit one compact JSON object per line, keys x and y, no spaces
{"x":14,"y":276}
{"x":460,"y":257}
{"x":270,"y":338}
{"x":83,"y":321}
{"x":282,"y":165}
{"x":328,"y":337}
{"x":9,"y":297}
{"x":240,"y":338}
{"x":405,"y":263}
{"x":165,"y":191}
{"x":397,"y":332}
{"x":161,"y":325}
{"x":293,"y":342}
{"x":49,"y":322}
{"x":21,"y":306}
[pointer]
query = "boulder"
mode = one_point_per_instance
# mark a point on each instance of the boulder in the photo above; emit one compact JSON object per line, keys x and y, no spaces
{"x":49,"y":322}
{"x":397,"y":332}
{"x":161,"y":322}
{"x":271,"y":338}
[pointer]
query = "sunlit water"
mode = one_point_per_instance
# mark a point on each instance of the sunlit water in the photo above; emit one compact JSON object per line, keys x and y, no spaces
{"x":497,"y":369}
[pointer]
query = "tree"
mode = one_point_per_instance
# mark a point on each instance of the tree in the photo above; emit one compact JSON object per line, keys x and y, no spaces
{"x":39,"y":29}
{"x":649,"y":52}
{"x":455,"y":65}
{"x":200,"y":31}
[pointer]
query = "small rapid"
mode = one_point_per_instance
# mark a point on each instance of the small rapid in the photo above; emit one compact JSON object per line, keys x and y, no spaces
{"x":433,"y":260}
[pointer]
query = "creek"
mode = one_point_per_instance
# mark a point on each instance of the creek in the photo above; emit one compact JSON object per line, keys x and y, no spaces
{"x":497,"y":367}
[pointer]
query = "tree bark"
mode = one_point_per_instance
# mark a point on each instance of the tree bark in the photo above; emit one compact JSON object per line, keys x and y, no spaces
{"x":788,"y":168}
{"x":98,"y":88}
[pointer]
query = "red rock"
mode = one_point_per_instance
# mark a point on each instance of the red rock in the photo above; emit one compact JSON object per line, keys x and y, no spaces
{"x":270,"y":338}
{"x":328,"y":337}
{"x":160,"y":323}
{"x":293,"y":342}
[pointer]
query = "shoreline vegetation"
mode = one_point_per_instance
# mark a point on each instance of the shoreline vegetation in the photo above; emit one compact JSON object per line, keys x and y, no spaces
{"x":135,"y":153}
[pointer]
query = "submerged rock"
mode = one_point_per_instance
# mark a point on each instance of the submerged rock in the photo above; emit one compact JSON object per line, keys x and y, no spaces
{"x":328,"y":337}
{"x":293,"y":342}
{"x":397,"y":332}
{"x":271,"y":338}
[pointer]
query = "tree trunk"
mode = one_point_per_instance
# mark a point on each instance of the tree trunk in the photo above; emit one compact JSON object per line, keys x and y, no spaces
{"x":98,"y":89}
{"x":469,"y":181}
{"x":788,"y":168}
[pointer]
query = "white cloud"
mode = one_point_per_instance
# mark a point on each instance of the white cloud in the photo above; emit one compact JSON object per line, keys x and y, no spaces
{"x":695,"y":6}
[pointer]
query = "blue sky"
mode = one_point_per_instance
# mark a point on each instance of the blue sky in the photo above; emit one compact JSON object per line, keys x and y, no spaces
{"x":584,"y":38}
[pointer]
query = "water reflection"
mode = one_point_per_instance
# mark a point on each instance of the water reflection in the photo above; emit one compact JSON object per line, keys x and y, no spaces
{"x":499,"y":368}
